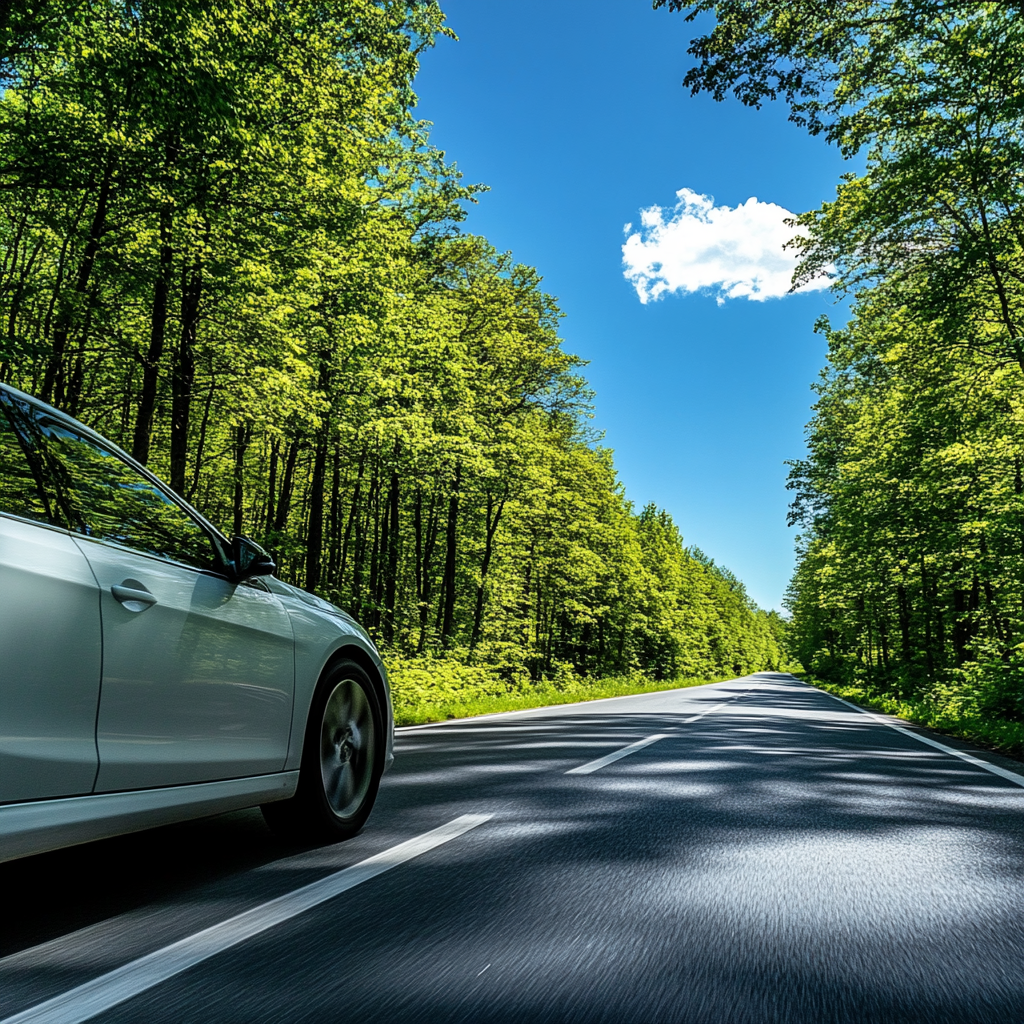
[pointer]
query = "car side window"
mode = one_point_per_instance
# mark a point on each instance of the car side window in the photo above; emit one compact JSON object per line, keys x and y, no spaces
{"x":110,"y":500}
{"x":23,"y":490}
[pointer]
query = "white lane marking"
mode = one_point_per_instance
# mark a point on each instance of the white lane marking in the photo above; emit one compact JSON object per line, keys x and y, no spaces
{"x":109,"y":990}
{"x":1013,"y":777}
{"x":717,"y":707}
{"x":592,"y":766}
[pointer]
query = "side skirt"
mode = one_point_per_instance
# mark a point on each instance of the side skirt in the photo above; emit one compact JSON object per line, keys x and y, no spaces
{"x":41,"y":825}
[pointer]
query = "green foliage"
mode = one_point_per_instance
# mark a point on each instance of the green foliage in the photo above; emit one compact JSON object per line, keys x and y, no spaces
{"x":227,"y":243}
{"x":945,"y":712}
{"x":910,"y":580}
{"x":929,"y":91}
{"x":432,"y":690}
{"x":912,"y":505}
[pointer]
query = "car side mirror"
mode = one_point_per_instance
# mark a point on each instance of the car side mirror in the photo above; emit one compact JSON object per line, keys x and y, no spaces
{"x":250,"y":559}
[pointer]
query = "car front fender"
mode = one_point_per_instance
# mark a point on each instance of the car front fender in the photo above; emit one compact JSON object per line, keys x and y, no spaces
{"x":320,"y":638}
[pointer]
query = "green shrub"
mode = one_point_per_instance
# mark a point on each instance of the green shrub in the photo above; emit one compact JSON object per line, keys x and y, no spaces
{"x":430,"y":689}
{"x":954,"y":708}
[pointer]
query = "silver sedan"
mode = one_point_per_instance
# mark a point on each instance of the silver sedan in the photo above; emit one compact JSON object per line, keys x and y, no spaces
{"x":151,"y":670}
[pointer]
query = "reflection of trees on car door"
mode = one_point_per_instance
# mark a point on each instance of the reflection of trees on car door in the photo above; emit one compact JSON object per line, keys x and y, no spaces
{"x":197,"y":684}
{"x":49,"y":633}
{"x":197,"y":670}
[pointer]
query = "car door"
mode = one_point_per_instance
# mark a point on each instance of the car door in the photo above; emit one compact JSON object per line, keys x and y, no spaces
{"x":49,"y":630}
{"x":198,"y":671}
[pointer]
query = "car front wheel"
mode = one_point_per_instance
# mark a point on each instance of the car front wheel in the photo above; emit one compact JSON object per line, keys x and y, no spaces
{"x":342,"y":760}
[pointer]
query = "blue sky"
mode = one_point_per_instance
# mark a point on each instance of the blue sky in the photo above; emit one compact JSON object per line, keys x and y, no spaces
{"x":574,"y":115}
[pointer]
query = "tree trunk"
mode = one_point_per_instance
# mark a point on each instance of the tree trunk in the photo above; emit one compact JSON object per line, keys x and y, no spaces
{"x":425,"y":586}
{"x":903,"y":606}
{"x":417,"y":530}
{"x":183,"y":380}
{"x":352,"y":520}
{"x":275,"y":446}
{"x":364,"y":525}
{"x":17,"y":285}
{"x":448,"y":618}
{"x":1018,"y":489}
{"x":391,"y":576}
{"x":197,"y":462}
{"x":53,"y":379}
{"x":284,"y":501}
{"x":334,"y":524}
{"x":960,"y":632}
{"x":494,"y":511}
{"x":157,"y":332}
{"x":242,"y":434}
{"x":929,"y":652}
{"x":379,"y":533}
{"x":315,"y":536}
{"x":75,"y":384}
{"x":360,"y":552}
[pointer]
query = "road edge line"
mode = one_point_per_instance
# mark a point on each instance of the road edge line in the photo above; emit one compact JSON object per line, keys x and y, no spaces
{"x":1003,"y":773}
{"x":137,"y":976}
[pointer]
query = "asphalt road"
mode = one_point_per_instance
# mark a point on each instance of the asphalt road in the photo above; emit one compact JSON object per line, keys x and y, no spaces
{"x":782,"y":857}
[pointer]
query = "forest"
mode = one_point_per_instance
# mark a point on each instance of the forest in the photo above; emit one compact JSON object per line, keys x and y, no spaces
{"x":909,"y":587}
{"x":227,"y":243}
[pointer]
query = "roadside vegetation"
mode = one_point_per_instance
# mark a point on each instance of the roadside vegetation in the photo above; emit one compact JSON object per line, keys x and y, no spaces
{"x":951,"y":713}
{"x":227,"y":243}
{"x":909,"y":592}
{"x":432,"y":690}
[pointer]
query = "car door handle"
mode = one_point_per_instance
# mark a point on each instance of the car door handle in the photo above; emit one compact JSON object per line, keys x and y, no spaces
{"x":135,"y":598}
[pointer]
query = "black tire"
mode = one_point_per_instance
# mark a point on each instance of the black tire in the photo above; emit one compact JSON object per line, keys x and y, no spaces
{"x":342,"y":760}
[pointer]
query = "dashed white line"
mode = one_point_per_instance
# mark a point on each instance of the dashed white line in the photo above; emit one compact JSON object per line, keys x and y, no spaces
{"x":109,"y":990}
{"x":717,"y":707}
{"x":592,"y":766}
{"x":615,"y":755}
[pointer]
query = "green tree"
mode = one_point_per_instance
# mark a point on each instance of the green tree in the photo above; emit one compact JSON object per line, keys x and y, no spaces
{"x":228,"y":244}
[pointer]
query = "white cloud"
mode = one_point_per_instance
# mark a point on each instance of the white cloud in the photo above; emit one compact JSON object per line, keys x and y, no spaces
{"x":736,"y":252}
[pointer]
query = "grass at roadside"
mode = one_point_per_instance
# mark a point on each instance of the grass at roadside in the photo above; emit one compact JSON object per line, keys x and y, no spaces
{"x":992,"y":733}
{"x":432,"y":690}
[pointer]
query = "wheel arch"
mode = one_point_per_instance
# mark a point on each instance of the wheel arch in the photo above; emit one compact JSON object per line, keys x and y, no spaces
{"x":309,"y":812}
{"x":351,"y":650}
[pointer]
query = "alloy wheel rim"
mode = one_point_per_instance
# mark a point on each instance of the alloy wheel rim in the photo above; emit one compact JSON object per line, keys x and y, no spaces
{"x":346,"y":748}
